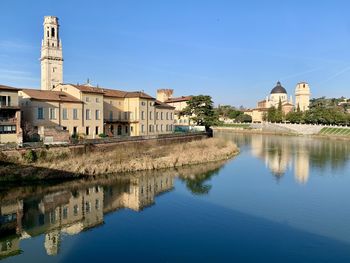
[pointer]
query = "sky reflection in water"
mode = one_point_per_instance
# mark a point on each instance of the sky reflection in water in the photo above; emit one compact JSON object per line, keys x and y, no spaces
{"x":282,"y":198}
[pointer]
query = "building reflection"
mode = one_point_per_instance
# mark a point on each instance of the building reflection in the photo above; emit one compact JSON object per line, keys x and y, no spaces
{"x":68,"y":212}
{"x":281,"y":154}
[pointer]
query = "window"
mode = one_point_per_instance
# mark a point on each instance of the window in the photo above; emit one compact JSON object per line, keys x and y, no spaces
{"x":142,"y":115}
{"x":126,"y":129}
{"x":40,"y":113}
{"x":65,"y":212}
{"x":111,"y":115}
{"x":75,"y":210}
{"x":161,"y":115}
{"x":52,"y":32}
{"x":167,"y":115}
{"x":87,"y":207}
{"x":157,"y":115}
{"x":157,"y":128}
{"x":97,"y":114}
{"x":8,"y":100}
{"x":171,"y":116}
{"x":75,"y":130}
{"x":64,"y":128}
{"x":87,"y":99}
{"x":150,"y":115}
{"x":64,"y":114}
{"x":97,"y":204}
{"x":97,"y":130}
{"x":131,"y":129}
{"x":125,"y":115}
{"x":52,"y":114}
{"x":6,"y":129}
{"x":53,"y":69}
{"x":150,"y":128}
{"x":75,"y":114}
{"x":97,"y":100}
{"x":88,"y":114}
{"x":87,"y":130}
{"x":143,"y":103}
{"x":142,"y":128}
{"x":167,"y":127}
{"x":119,"y":130}
{"x":161,"y":127}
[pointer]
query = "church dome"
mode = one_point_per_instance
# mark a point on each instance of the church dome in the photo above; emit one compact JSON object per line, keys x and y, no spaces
{"x":278,"y":89}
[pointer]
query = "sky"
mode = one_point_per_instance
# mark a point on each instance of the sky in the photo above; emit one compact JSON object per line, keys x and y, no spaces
{"x":234,"y":51}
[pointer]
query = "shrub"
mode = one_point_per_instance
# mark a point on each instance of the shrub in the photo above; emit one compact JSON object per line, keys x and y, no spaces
{"x":102,"y":135}
{"x":30,"y":156}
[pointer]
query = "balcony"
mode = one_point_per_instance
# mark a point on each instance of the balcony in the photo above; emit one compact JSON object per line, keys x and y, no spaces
{"x":8,"y":121}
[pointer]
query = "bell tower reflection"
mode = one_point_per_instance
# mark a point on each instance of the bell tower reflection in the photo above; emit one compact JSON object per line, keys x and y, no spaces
{"x":280,"y":154}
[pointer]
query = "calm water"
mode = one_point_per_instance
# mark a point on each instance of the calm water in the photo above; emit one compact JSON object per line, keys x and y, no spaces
{"x":283,"y":199}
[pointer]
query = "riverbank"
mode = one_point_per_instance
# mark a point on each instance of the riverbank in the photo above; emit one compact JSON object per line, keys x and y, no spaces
{"x":321,"y":134}
{"x":63,"y":163}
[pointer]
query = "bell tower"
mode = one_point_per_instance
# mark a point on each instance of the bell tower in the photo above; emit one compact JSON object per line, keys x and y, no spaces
{"x":302,"y":96}
{"x":51,"y":55}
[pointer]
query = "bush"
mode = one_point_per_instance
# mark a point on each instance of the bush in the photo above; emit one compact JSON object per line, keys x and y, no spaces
{"x":102,"y":135}
{"x":30,"y":156}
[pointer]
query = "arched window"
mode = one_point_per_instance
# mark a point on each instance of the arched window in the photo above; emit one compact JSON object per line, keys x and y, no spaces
{"x":52,"y":32}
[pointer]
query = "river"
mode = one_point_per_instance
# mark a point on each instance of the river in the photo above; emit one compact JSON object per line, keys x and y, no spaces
{"x":282,"y":199}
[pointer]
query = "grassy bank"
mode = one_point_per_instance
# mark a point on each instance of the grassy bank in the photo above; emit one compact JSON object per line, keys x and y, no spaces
{"x":65,"y":163}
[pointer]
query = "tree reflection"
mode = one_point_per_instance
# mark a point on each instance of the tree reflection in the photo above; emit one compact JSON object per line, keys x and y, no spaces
{"x":196,"y":177}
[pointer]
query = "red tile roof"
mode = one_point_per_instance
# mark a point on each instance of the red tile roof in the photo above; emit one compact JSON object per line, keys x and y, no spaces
{"x":112,"y":92}
{"x":178,"y":99}
{"x":8,"y":88}
{"x":88,"y":89}
{"x":49,"y":95}
{"x":162,"y":105}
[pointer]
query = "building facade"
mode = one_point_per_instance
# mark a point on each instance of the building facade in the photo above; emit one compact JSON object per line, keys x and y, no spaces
{"x":44,"y":109}
{"x":10,"y":116}
{"x":179,"y":103}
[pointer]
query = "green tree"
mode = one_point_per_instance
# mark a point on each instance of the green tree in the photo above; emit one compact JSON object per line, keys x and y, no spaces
{"x":244,"y":118}
{"x":201,"y":111}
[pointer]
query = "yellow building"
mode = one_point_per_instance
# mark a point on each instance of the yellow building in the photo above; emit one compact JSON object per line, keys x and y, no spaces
{"x":121,"y":113}
{"x":179,"y":103}
{"x":10,"y":116}
{"x":43,"y":108}
{"x":92,"y":107}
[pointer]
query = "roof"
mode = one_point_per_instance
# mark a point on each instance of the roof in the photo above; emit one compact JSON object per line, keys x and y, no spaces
{"x":138,"y":94}
{"x":8,"y":88}
{"x":50,"y":95}
{"x":178,"y":99}
{"x":112,"y":92}
{"x":159,"y":104}
{"x":88,"y":88}
{"x":278,"y":89}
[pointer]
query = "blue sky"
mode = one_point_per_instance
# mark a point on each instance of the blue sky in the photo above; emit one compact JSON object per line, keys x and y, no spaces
{"x":234,"y":51}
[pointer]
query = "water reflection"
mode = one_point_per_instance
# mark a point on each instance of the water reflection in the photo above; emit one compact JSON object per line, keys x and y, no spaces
{"x":300,"y":154}
{"x":71,"y":207}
